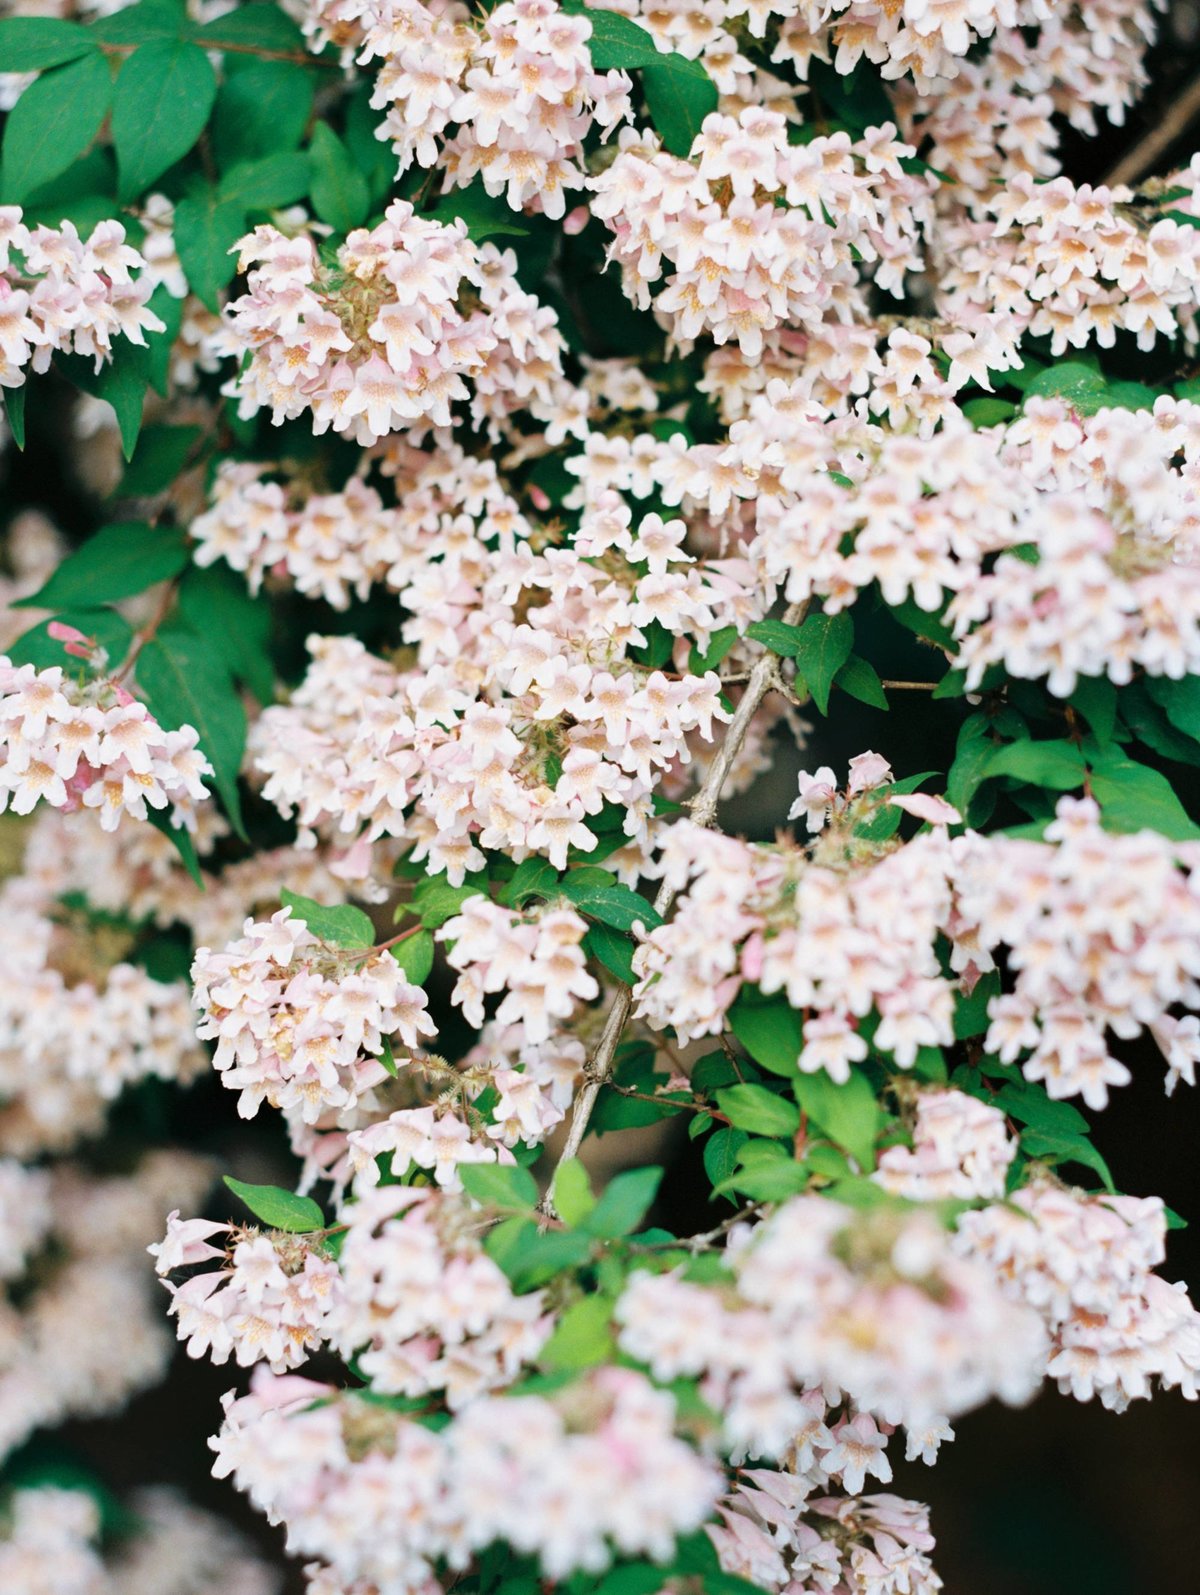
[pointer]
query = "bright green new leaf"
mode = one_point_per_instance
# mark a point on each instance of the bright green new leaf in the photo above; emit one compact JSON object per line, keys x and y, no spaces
{"x":761,"y":1112}
{"x":848,"y":1114}
{"x":415,"y":956}
{"x":502,"y":1186}
{"x":277,"y":1208}
{"x":116,"y":563}
{"x":623,"y":1203}
{"x":164,"y":93}
{"x":572,"y":1193}
{"x":582,"y":1336}
{"x":52,"y":124}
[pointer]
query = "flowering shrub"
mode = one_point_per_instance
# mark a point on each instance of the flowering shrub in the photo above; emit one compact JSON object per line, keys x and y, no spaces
{"x":507,"y":446}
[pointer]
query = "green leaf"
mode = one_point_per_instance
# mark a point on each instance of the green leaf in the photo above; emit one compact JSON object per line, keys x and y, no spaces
{"x":263,"y":27}
{"x":486,"y":216}
{"x":618,"y":906}
{"x":343,"y":925}
{"x":52,"y":124}
{"x":158,"y":365}
{"x":1029,"y":1104}
{"x":573,"y":1199}
{"x":528,"y":1256}
{"x":206,"y":230}
{"x":582,"y":1336}
{"x":1179,"y":701}
{"x":861,"y":680}
{"x":767,"y":1182}
{"x":339,"y":190}
{"x":924,"y":623}
{"x":1080,"y":385}
{"x":36,"y":646}
{"x":988,"y":411}
{"x":267,"y":183}
{"x":616,"y":41}
{"x":435,"y":900}
{"x":776,"y":635}
{"x":500,"y":1185}
{"x":533,"y":877}
{"x":164,"y":93}
{"x":279,"y":1209}
{"x":721,"y":1152}
{"x":1067,"y":1149}
{"x":1095,"y":698}
{"x":719,"y":645}
{"x":33,"y":44}
{"x":117,"y":562}
{"x":771,"y":1032}
{"x":215,"y":602}
{"x":185,"y":682}
{"x":848,"y":1114}
{"x":14,"y":413}
{"x":971,"y":1012}
{"x":679,"y":95}
{"x":151,"y":20}
{"x":160,"y":456}
{"x":121,"y":382}
{"x":623,"y":1204}
{"x":613,"y":950}
{"x":1133,"y":797}
{"x":1057,"y":766}
{"x":262,"y":110}
{"x":824,"y":645}
{"x":761,"y":1112}
{"x":856,"y":98}
{"x":415,"y":957}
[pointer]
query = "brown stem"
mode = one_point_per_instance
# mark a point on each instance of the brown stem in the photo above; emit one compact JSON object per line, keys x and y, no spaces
{"x":148,"y":631}
{"x":909,"y":686}
{"x":297,"y":57}
{"x":1135,"y":163}
{"x":763,"y":677}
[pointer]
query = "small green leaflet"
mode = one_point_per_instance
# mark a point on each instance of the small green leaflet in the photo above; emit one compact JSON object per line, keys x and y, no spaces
{"x":205,"y":231}
{"x":848,"y":1114}
{"x":761,"y":1112}
{"x":771,"y":1032}
{"x":415,"y":956}
{"x":343,"y":925}
{"x":613,"y":950}
{"x":277,"y":1208}
{"x":573,"y":1199}
{"x":533,"y":877}
{"x":623,"y":1204}
{"x":861,"y":680}
{"x":582,"y":1336}
{"x":117,"y":562}
{"x":500,"y":1185}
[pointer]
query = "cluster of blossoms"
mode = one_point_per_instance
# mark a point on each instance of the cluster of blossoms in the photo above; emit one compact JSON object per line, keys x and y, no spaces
{"x":563,"y":1477}
{"x":1073,"y":263}
{"x":268,"y":1303}
{"x":776,"y":1534}
{"x":961,"y":1151}
{"x":80,"y":1331}
{"x":298,"y":1022}
{"x":59,"y":292}
{"x":517,"y":86}
{"x":828,"y":1307}
{"x":51,"y":1546}
{"x":744,"y":264}
{"x":422,"y":1308}
{"x":1099,"y":933}
{"x":1086,"y":1265}
{"x":78,"y":1021}
{"x":383,"y":337}
{"x":91,"y":744}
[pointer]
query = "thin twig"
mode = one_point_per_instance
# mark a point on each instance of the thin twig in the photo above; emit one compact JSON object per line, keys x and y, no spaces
{"x":297,"y":57}
{"x":170,"y":592}
{"x":764,"y":676}
{"x":1135,"y":163}
{"x":910,"y":686}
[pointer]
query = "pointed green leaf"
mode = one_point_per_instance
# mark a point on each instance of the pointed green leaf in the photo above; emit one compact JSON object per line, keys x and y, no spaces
{"x":343,"y":924}
{"x":52,"y":124}
{"x":277,"y":1208}
{"x":164,"y":93}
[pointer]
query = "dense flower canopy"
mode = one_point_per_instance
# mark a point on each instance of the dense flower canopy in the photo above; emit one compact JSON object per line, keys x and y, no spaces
{"x":506,"y":446}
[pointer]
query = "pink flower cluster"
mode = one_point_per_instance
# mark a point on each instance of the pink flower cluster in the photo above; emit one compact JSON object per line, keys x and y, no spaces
{"x":269,"y":1302}
{"x":743,"y":262}
{"x":63,"y":293}
{"x":91,"y":744}
{"x":1086,"y":1265}
{"x":516,"y":85}
{"x":961,"y":1151}
{"x":871,"y":1309}
{"x":776,"y":1534}
{"x":384,"y":338}
{"x":300,"y":1023}
{"x":422,"y":1308}
{"x":565,"y":1478}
